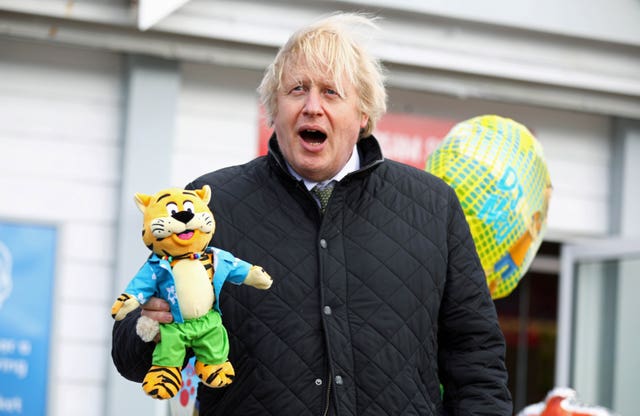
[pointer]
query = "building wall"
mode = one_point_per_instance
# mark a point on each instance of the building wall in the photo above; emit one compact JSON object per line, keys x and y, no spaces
{"x":576,"y":146}
{"x":62,"y":138}
{"x":217,"y":120}
{"x":580,"y":18}
{"x":60,"y":150}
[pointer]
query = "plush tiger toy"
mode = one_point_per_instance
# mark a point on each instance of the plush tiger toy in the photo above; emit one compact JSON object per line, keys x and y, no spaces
{"x":177,"y":228}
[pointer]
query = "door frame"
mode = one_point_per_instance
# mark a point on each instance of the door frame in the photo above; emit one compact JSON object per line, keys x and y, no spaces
{"x":570,"y":256}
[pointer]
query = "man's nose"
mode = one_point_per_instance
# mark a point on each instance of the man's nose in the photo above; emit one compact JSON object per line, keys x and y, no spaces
{"x":313,"y":102}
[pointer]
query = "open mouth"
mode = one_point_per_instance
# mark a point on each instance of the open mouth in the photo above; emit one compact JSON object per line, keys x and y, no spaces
{"x":185,"y":235}
{"x":312,"y":136}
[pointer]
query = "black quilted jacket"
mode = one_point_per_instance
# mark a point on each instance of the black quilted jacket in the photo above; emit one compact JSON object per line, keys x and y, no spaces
{"x":373,"y":304}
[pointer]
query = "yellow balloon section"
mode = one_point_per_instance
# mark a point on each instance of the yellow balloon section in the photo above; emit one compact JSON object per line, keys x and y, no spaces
{"x":498,"y":171}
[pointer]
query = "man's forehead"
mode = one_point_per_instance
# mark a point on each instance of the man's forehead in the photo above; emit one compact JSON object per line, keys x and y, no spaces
{"x":306,"y":74}
{"x":308,"y":77}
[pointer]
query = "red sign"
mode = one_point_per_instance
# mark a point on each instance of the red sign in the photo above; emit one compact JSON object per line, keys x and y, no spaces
{"x":409,"y":138}
{"x":406,"y":138}
{"x":264,"y":133}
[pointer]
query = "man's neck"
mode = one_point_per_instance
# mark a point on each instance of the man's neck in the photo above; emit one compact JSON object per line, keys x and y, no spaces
{"x":352,"y":165}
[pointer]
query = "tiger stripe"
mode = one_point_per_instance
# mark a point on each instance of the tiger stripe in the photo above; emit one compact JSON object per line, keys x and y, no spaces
{"x":207,"y":262}
{"x":117,"y":305}
{"x":215,"y":375}
{"x":162,"y":382}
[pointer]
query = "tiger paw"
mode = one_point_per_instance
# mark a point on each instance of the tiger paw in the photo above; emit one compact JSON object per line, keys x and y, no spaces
{"x":162,"y":382}
{"x":258,"y":278}
{"x":123,"y":305}
{"x":215,"y":375}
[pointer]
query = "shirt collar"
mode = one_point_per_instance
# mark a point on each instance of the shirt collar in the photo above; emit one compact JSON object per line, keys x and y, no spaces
{"x":352,"y":165}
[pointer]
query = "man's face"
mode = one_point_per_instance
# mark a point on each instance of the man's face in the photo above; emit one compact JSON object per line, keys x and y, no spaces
{"x":316,"y":127}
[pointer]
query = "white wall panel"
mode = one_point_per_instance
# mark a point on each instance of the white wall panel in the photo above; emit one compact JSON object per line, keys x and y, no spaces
{"x":60,"y":147}
{"x":78,"y":398}
{"x":83,"y":118}
{"x":86,"y":280}
{"x":87,"y":241}
{"x":584,"y":18}
{"x":75,"y":199}
{"x":217,"y":123}
{"x":87,"y":356}
{"x":59,"y":158}
{"x":74,"y":331}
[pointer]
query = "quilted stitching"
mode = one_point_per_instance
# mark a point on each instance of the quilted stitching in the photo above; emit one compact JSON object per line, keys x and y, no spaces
{"x":393,"y":297}
{"x":385,"y":316}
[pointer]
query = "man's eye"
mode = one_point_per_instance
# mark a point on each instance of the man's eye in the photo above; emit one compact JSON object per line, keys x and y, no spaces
{"x":297,"y":88}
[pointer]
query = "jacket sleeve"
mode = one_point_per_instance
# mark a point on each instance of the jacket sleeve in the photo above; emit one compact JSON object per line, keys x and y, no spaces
{"x":130,"y":354}
{"x":471,"y":344}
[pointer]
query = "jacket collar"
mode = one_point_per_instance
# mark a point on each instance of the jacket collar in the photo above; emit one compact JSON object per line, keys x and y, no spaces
{"x":368,"y":150}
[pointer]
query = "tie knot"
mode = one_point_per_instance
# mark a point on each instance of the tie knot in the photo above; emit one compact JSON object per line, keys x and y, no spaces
{"x":323,"y":193}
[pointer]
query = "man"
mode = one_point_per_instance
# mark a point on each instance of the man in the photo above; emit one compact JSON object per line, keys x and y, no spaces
{"x":379,"y":297}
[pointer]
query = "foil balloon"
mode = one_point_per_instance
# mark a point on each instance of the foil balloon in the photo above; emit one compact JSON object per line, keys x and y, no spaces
{"x":497,"y":168}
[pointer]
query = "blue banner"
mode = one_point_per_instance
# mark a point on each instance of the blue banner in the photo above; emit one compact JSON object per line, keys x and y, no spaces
{"x":27,"y":254}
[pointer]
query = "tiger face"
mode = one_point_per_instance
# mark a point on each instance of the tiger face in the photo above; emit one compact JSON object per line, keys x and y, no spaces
{"x":176,"y":221}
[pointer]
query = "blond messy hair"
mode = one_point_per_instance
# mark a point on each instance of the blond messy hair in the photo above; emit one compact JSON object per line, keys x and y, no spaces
{"x":333,"y":47}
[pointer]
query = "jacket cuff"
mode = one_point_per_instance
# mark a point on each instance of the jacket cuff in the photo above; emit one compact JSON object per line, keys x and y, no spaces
{"x":130,"y":354}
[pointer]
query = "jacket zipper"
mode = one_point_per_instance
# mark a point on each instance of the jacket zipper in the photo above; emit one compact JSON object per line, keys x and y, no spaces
{"x":326,"y":409}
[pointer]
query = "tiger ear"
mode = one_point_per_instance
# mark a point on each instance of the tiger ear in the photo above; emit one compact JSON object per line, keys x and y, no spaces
{"x":142,"y":201}
{"x":204,"y":194}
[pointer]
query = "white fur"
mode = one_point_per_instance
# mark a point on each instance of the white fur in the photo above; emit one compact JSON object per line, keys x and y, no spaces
{"x":147,"y":328}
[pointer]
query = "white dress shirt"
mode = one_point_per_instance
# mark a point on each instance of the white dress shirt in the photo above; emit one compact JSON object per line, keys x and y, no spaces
{"x":352,"y":165}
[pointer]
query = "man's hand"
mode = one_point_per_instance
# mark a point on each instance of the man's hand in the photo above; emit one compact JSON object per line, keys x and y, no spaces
{"x":158,"y":310}
{"x":153,"y":312}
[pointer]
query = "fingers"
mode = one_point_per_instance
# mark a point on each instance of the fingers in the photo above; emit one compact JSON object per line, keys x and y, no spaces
{"x":162,"y":317}
{"x":156,"y":304}
{"x":158,"y":310}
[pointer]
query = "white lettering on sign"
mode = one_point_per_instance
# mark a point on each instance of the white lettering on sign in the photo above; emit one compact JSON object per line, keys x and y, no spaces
{"x":19,"y":367}
{"x":10,"y":346}
{"x":24,"y":347}
{"x":7,"y":346}
{"x":11,"y":404}
{"x":411,"y":149}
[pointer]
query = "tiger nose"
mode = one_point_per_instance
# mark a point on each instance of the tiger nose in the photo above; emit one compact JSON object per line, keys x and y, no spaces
{"x":183,"y":216}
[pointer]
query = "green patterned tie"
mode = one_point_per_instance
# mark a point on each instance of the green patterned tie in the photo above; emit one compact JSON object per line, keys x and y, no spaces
{"x":323,"y":194}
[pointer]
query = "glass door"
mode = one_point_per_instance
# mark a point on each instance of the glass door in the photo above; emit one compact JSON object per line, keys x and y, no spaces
{"x":598,"y":344}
